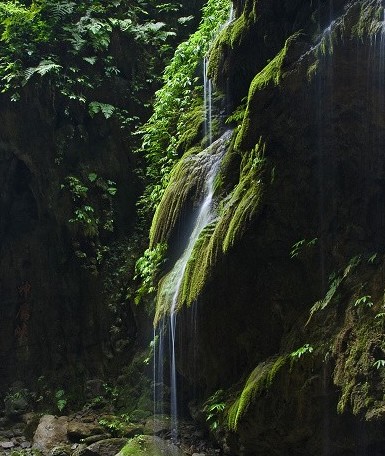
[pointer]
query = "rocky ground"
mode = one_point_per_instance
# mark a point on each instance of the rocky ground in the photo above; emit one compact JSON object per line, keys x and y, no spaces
{"x":81,"y":434}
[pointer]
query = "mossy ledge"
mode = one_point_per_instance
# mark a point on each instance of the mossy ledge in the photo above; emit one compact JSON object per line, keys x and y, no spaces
{"x":230,"y":37}
{"x":235,"y":212}
{"x":270,"y":75}
{"x":259,"y":380}
{"x":186,"y":184}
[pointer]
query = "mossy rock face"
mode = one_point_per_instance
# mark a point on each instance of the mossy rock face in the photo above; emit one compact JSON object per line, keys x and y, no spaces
{"x":260,"y":30}
{"x":322,"y":140}
{"x":145,"y":445}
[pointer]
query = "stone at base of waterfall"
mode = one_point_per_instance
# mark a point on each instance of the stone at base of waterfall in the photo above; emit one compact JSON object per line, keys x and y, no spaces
{"x":149,"y":445}
{"x":107,"y":447}
{"x":158,"y":424}
{"x":60,"y":450}
{"x":95,"y":438}
{"x":77,"y":430}
{"x":50,"y":433}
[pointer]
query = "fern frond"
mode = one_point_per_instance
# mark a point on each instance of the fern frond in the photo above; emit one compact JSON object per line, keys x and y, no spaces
{"x":59,"y":10}
{"x":334,"y":286}
{"x":106,"y":109}
{"x":44,"y":67}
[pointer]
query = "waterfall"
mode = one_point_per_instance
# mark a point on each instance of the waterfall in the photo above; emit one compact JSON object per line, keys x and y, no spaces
{"x":207,"y":104}
{"x":208,"y":162}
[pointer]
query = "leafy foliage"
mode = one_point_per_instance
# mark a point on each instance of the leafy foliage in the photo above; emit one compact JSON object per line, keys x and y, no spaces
{"x":364,"y":301}
{"x":213,"y":409}
{"x":335,"y":283}
{"x":297,"y":354}
{"x":147,"y":268}
{"x":93,"y":216}
{"x":298,"y":246}
{"x":180,"y":93}
{"x":61,"y":400}
{"x":73,"y":44}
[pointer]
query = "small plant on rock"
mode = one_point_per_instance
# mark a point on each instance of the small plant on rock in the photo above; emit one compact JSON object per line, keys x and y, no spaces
{"x":213,"y":408}
{"x":61,"y":400}
{"x":297,"y":354}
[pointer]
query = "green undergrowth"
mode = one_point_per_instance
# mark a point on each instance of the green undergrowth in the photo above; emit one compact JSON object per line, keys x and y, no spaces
{"x":72,"y":46}
{"x":181,"y":93}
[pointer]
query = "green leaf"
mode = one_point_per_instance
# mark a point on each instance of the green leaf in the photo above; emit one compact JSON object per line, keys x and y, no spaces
{"x":96,"y":107}
{"x":90,"y":60}
{"x":379,"y":363}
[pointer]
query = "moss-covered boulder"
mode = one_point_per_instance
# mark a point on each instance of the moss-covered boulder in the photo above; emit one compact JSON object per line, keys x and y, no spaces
{"x":145,"y":445}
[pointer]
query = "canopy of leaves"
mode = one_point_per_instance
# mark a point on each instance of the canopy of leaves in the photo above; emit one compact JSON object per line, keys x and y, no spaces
{"x":75,"y":43}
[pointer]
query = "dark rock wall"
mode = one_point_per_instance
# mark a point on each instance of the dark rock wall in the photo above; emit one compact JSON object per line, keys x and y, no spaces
{"x":53,"y":313}
{"x":321,"y":116}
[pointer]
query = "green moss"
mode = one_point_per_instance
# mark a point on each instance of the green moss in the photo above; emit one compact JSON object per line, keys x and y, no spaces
{"x":356,"y":349}
{"x":238,"y":208}
{"x":312,"y":70}
{"x":190,"y":128}
{"x":198,"y":269}
{"x":149,"y":445}
{"x":231,"y":37}
{"x":370,"y":20}
{"x":186,"y":183}
{"x":259,"y":381}
{"x":270,"y":75}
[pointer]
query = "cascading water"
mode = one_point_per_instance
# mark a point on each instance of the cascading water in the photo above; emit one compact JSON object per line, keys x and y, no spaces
{"x":208,"y":162}
{"x":207,"y":104}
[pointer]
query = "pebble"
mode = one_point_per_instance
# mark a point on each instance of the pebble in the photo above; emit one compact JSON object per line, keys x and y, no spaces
{"x":6,"y":445}
{"x":25,"y":445}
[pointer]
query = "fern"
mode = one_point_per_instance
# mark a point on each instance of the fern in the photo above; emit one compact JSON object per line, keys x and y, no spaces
{"x":44,"y":67}
{"x":334,"y":287}
{"x":106,"y":109}
{"x":59,"y":10}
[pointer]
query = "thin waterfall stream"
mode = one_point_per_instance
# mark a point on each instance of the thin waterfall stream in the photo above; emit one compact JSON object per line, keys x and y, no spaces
{"x":208,"y":162}
{"x":207,"y":104}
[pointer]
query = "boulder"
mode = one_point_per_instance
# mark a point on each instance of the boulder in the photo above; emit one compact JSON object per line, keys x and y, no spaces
{"x":107,"y":447}
{"x":158,"y":424}
{"x":146,"y":445}
{"x":50,"y":433}
{"x":15,"y":405}
{"x":60,"y":450}
{"x":78,"y":430}
{"x":95,"y":438}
